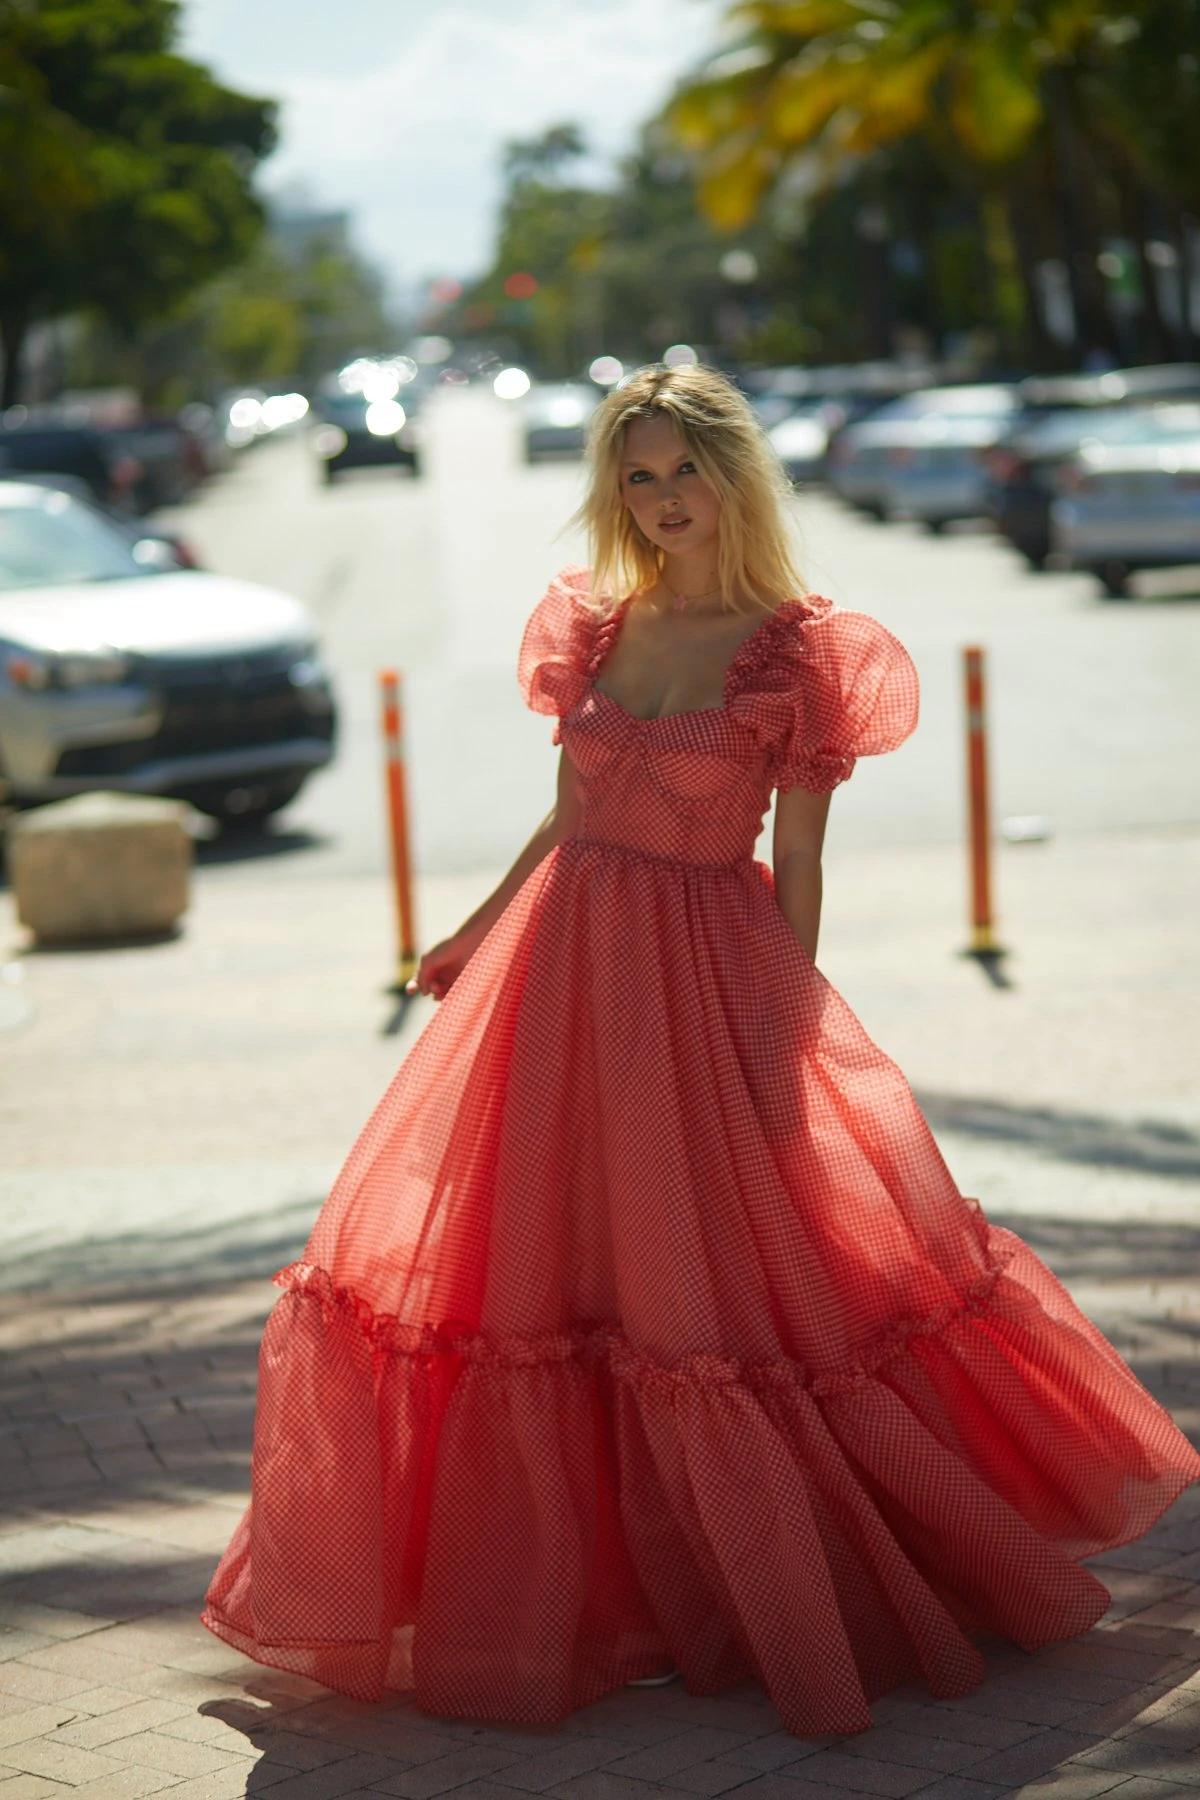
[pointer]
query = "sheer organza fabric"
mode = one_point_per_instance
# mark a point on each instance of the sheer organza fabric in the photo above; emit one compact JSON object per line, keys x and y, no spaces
{"x":645,"y":1323}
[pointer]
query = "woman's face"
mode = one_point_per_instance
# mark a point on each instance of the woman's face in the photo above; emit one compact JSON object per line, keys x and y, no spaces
{"x":670,"y":501}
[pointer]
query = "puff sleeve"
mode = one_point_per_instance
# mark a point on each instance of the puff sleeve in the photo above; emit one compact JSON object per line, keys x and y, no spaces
{"x":830,"y":687}
{"x":554,"y":662}
{"x":857,"y":696}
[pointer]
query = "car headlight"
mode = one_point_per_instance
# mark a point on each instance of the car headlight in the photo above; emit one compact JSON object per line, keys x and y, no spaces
{"x":330,"y":440}
{"x":307,"y":670}
{"x":309,"y":678}
{"x":384,"y":418}
{"x":37,"y":670}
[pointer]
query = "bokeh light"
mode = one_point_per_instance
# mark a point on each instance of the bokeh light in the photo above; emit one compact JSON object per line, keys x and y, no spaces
{"x":606,"y":371}
{"x":511,"y":384}
{"x":739,"y":266}
{"x":521,"y":285}
{"x":352,"y":378}
{"x":444,"y":291}
{"x":246,"y":414}
{"x":283,"y":409}
{"x":380,"y":383}
{"x":329,"y":440}
{"x":384,"y":418}
{"x":680,"y":356}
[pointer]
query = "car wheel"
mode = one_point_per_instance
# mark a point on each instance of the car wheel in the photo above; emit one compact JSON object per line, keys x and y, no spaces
{"x":245,"y":805}
{"x":1114,"y":578}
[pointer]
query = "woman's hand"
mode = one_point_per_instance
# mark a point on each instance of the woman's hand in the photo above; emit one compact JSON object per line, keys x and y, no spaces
{"x":441,"y":967}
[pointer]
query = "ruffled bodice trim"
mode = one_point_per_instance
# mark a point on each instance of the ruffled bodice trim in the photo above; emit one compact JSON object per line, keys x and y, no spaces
{"x":816,"y":688}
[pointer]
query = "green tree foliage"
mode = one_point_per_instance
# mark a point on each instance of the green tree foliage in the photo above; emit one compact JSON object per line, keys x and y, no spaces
{"x":624,"y":270}
{"x":1065,"y":123}
{"x":124,"y":168}
{"x":550,"y":228}
{"x":339,"y":301}
{"x":275,"y":320}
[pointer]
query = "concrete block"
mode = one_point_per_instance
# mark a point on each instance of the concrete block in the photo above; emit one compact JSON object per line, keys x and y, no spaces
{"x":100,"y":866}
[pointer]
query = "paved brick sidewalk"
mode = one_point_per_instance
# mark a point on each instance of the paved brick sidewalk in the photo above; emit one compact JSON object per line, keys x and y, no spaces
{"x":128,"y":1423}
{"x":127,"y":1380}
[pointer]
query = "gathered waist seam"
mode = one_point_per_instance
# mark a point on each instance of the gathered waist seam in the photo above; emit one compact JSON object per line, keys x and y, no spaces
{"x":736,"y":866}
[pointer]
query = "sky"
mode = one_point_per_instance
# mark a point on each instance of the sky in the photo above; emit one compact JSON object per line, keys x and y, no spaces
{"x":398,"y":109}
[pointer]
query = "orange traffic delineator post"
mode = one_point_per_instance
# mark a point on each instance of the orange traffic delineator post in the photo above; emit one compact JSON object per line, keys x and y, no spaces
{"x":397,"y":800}
{"x":983,"y":936}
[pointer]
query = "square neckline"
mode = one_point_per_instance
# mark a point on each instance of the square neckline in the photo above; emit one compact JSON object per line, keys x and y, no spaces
{"x":610,"y":631}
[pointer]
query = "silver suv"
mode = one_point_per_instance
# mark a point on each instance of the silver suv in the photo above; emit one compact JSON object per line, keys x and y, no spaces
{"x":119,"y":669}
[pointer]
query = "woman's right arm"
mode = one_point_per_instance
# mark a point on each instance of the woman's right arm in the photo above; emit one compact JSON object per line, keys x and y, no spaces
{"x":440,"y":967}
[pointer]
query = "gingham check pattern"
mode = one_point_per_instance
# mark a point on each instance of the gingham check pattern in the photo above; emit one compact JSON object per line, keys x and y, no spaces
{"x":645,"y":1324}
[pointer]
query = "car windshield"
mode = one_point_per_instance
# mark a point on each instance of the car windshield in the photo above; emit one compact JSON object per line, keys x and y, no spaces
{"x":49,"y":540}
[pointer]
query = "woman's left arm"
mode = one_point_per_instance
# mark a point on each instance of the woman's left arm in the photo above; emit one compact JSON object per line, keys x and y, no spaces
{"x":799,"y":835}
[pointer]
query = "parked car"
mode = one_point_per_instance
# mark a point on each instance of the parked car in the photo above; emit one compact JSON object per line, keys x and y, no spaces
{"x":48,"y":447}
{"x":167,"y":467}
{"x":173,"y":551}
{"x":1133,"y":504}
{"x":1142,"y":385}
{"x":846,"y":392}
{"x":921,"y":452}
{"x":1024,"y":466}
{"x":801,"y":439}
{"x":355,"y":431}
{"x":208,"y":450}
{"x":555,"y":419}
{"x":119,"y":669}
{"x":1058,"y":414}
{"x":939,"y":473}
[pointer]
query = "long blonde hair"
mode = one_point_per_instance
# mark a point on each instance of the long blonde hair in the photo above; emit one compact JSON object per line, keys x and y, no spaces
{"x":755,"y":565}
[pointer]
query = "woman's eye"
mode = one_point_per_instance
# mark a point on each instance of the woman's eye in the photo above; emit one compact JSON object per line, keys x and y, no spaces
{"x":638,"y":475}
{"x":687,"y":468}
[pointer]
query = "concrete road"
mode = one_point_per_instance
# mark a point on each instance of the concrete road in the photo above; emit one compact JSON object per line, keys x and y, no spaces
{"x":1095,"y":723}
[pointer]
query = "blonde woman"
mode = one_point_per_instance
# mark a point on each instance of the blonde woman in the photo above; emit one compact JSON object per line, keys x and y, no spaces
{"x":645,"y":1329}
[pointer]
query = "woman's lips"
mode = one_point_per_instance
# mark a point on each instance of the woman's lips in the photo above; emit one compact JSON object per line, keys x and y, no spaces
{"x":673,"y":525}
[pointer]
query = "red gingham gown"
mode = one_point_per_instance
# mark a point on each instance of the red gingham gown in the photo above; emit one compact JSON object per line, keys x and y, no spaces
{"x":645,"y":1324}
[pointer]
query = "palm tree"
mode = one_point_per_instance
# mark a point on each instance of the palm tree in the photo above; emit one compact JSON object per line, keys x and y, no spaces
{"x":996,"y":86}
{"x":1145,"y":107}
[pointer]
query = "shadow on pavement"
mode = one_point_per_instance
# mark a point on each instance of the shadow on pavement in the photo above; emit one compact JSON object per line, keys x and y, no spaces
{"x":130,"y":1409}
{"x":1150,"y":1146}
{"x":255,"y":844}
{"x":142,"y":1265}
{"x":140,"y":940}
